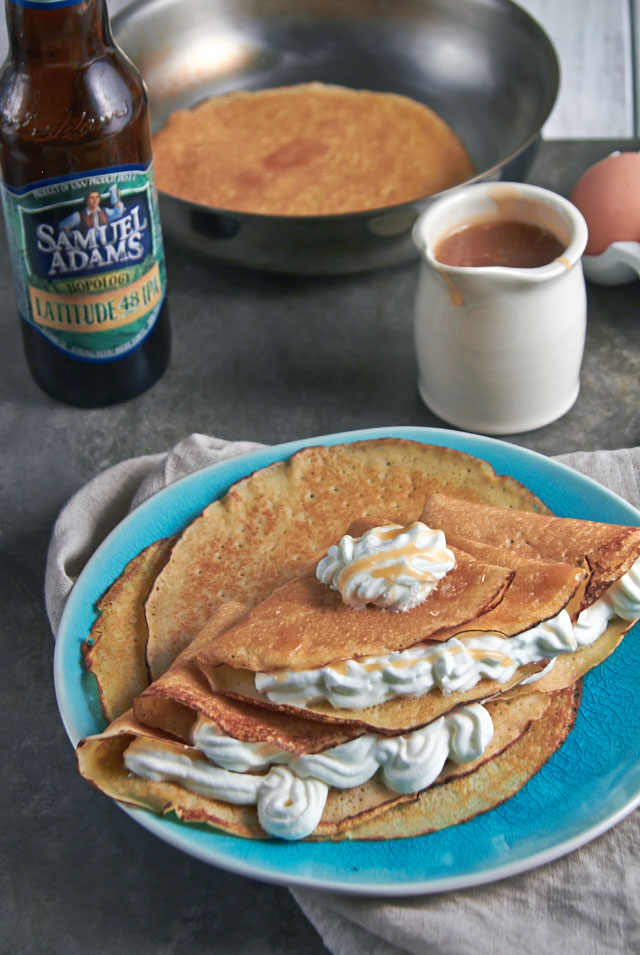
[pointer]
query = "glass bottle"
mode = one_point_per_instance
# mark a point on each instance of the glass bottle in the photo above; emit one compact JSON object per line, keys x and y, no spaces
{"x":80,"y":205}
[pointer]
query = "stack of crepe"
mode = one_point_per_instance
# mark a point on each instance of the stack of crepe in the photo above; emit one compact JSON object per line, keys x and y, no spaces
{"x":275,"y":718}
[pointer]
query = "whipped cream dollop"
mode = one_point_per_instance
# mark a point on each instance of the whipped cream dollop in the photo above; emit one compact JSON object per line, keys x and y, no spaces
{"x":392,"y":566}
{"x":291,"y":795}
{"x":457,"y":664}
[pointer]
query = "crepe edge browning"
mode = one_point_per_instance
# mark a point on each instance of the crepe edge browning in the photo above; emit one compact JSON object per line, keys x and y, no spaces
{"x":402,"y":715}
{"x":613,"y":550}
{"x":115,"y":650}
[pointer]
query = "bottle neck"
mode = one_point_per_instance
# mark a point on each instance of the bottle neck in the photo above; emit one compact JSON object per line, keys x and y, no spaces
{"x":53,"y":33}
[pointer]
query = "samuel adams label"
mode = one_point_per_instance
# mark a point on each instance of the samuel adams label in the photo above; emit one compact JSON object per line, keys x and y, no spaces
{"x":88,"y":261}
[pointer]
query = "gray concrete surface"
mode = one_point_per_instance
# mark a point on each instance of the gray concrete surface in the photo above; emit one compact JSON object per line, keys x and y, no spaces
{"x":260,"y":357}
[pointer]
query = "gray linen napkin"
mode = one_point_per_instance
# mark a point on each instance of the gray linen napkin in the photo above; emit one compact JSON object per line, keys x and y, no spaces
{"x":587,"y":901}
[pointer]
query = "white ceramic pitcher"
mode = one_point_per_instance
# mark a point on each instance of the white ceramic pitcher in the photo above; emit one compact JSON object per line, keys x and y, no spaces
{"x":500,"y":349}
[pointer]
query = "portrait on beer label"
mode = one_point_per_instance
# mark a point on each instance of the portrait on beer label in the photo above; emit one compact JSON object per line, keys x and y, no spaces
{"x":88,"y":258}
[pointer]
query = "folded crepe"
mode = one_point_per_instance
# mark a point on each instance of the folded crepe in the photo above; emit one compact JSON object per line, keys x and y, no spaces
{"x":283,"y":653}
{"x":306,"y":624}
{"x":527,"y":732}
{"x":254,"y":772}
{"x":115,"y":649}
{"x":603,"y":609}
{"x":275,"y":524}
{"x":238,"y":732}
{"x":271,"y":526}
{"x":610,"y":549}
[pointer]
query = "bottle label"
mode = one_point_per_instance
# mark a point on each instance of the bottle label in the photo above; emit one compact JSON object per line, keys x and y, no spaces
{"x":87,"y":258}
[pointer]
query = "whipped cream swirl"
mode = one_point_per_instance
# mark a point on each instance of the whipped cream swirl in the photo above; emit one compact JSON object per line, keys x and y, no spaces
{"x":457,"y":664}
{"x":393,"y":566}
{"x":291,"y":795}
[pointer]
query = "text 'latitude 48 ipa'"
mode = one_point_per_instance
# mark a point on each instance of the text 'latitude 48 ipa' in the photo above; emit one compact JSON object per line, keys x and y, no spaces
{"x":80,"y":205}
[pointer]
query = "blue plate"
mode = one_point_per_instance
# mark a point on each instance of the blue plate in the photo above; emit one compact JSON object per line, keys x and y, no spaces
{"x":584,"y":789}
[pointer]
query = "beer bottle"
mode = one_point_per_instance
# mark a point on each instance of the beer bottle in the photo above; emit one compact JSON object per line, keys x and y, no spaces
{"x":80,"y":205}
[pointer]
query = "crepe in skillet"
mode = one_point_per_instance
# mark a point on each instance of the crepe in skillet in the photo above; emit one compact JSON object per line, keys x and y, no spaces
{"x":308,"y":149}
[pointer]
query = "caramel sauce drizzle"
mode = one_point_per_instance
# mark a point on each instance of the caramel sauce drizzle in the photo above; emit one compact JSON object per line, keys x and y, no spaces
{"x":388,"y":564}
{"x":341,"y":666}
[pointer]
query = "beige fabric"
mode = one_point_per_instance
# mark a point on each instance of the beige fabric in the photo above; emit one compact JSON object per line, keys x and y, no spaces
{"x":586,"y":902}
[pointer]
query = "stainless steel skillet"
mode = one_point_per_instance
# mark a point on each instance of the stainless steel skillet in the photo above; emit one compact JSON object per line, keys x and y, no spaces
{"x":484,"y":65}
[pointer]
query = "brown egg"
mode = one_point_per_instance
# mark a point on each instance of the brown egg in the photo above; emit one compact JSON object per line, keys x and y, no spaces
{"x":608,"y":196}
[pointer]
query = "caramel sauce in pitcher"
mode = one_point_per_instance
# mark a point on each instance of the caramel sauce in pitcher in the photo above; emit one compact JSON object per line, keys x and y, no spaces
{"x":496,"y":241}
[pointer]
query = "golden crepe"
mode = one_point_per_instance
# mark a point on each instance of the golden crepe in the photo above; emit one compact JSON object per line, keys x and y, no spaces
{"x":166,"y":713}
{"x":153,"y":756}
{"x":299,"y":627}
{"x":270,"y":527}
{"x":280,"y":521}
{"x":115,"y":650}
{"x":494,"y":782}
{"x":275,"y":524}
{"x":530,"y":730}
{"x":610,"y":549}
{"x":170,"y":703}
{"x":304,"y":624}
{"x":392,"y":717}
{"x":308,"y":149}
